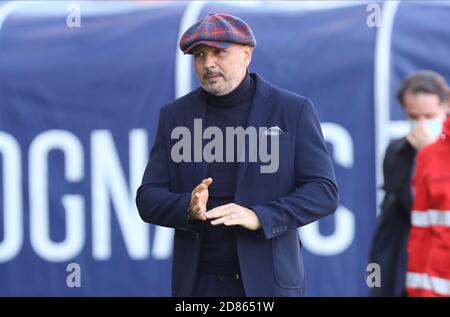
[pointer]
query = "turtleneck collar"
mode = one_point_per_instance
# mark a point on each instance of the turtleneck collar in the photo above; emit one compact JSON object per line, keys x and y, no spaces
{"x":239,"y":95}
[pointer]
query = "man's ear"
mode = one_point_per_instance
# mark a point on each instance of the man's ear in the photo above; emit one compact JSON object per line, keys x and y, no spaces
{"x":248,"y":52}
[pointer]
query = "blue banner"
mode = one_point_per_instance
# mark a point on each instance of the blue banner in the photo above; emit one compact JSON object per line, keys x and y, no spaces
{"x":79,"y":103}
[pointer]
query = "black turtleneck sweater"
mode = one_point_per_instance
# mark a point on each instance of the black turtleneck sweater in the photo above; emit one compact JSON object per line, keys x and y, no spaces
{"x":218,"y":252}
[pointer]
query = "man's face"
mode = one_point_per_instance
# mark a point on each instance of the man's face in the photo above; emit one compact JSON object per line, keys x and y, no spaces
{"x":424,"y":106}
{"x":221,"y":70}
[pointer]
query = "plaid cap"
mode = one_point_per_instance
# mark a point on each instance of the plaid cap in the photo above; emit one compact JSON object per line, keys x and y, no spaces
{"x":217,"y":30}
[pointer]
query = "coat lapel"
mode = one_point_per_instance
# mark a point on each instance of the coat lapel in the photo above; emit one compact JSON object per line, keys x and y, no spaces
{"x":198,"y":112}
{"x":259,"y":113}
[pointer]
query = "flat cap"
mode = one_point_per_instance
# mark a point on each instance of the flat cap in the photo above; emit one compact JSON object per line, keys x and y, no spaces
{"x":217,"y":30}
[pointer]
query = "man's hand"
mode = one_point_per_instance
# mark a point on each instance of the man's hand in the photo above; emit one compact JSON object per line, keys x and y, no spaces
{"x":232,"y":215}
{"x":199,"y":198}
{"x":419,"y":137}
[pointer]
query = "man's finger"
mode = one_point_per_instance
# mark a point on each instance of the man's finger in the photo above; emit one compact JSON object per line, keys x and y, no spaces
{"x":196,"y":198}
{"x":203,"y":185}
{"x":234,"y":222}
{"x":196,"y":189}
{"x":199,"y":188}
{"x":220,"y":220}
{"x":199,"y":216}
{"x":219,"y":211}
{"x":207,"y":181}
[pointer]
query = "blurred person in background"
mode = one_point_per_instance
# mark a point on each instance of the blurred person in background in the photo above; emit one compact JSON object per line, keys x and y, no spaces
{"x":424,"y":98}
{"x":429,"y":240}
{"x":235,"y":226}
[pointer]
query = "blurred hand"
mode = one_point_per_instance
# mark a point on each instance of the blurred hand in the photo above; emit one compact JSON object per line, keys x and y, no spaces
{"x":234,"y":215}
{"x":419,"y":137}
{"x":199,"y":199}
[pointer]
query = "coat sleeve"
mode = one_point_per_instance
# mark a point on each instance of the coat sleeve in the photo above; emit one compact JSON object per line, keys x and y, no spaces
{"x":316,"y":193}
{"x":397,"y":172}
{"x":389,"y":174}
{"x":156,"y":203}
{"x":387,"y":165}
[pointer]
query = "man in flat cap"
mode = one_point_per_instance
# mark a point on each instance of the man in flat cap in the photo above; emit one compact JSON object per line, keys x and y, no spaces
{"x":235,"y":207}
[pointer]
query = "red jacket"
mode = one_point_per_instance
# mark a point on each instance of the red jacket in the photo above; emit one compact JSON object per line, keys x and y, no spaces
{"x":429,"y":240}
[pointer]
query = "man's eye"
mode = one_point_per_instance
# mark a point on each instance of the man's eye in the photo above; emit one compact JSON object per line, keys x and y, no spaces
{"x":198,"y":54}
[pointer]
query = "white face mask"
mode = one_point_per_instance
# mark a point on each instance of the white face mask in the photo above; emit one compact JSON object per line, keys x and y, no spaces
{"x":433,"y":126}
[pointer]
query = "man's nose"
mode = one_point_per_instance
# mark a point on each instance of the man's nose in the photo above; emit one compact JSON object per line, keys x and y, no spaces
{"x":210,"y":61}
